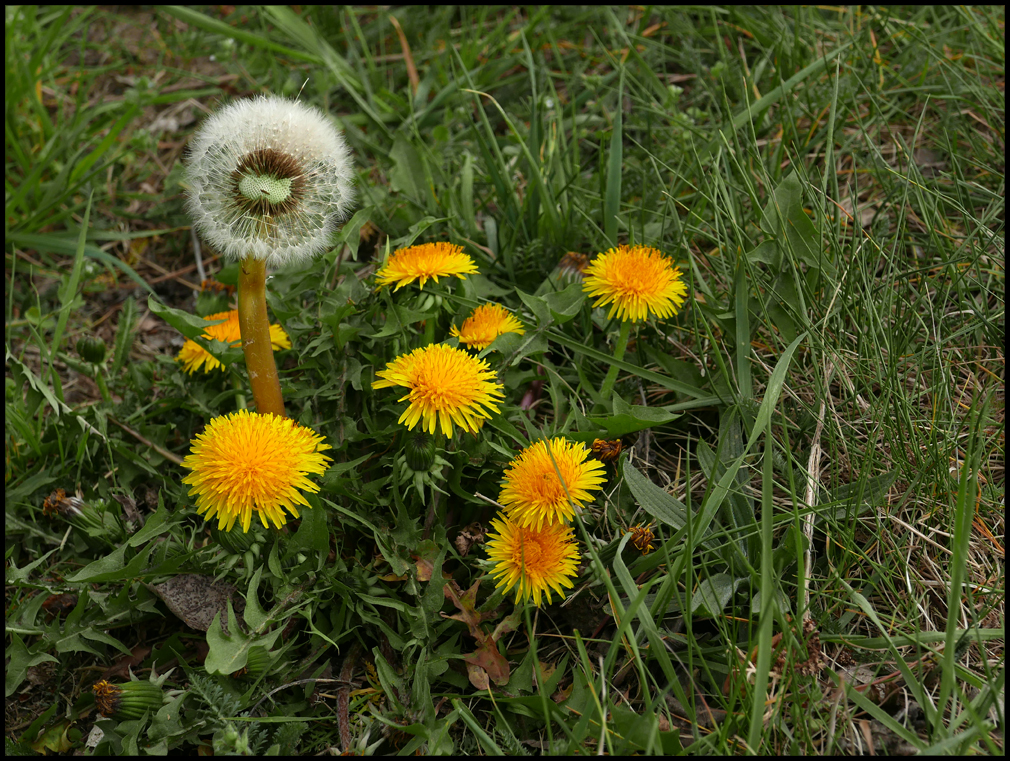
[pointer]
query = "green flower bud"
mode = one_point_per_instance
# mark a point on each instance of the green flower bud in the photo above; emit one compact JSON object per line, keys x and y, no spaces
{"x":419,"y":450}
{"x":97,"y":519}
{"x":127,"y":701}
{"x":259,"y":660}
{"x":235,"y":542}
{"x":92,"y":349}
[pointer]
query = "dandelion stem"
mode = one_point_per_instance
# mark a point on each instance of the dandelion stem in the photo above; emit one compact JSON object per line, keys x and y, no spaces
{"x":240,"y":401}
{"x":100,"y":380}
{"x":254,"y":325}
{"x":622,"y":345}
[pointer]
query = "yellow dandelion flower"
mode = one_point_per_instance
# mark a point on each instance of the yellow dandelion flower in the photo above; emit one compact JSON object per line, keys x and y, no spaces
{"x":246,"y":462}
{"x":193,"y":356}
{"x":635,"y":280}
{"x":446,"y":384}
{"x":487,"y":322}
{"x":532,"y":494}
{"x":531,"y":560}
{"x":432,"y":260}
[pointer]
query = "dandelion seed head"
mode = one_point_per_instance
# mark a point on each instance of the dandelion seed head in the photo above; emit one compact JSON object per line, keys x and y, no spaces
{"x":269,"y":178}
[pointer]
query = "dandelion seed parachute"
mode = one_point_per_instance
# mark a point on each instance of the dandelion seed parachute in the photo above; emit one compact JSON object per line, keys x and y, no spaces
{"x":269,"y":178}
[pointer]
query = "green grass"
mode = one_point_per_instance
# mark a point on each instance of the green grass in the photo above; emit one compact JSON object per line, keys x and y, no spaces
{"x":817,"y":437}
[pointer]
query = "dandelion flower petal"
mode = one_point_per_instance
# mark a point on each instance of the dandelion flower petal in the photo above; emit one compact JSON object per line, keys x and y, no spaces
{"x":428,"y":260}
{"x":487,"y":322}
{"x":533,"y":561}
{"x":532,"y":494}
{"x":635,"y":281}
{"x":446,"y":384}
{"x":246,"y":463}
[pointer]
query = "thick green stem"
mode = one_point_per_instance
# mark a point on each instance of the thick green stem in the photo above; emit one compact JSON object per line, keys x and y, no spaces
{"x":622,"y":345}
{"x":429,"y":330}
{"x":240,"y":402}
{"x":254,"y":324}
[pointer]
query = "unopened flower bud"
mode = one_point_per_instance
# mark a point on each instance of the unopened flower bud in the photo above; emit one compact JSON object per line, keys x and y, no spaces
{"x":419,"y":450}
{"x":127,"y":701}
{"x":92,"y":349}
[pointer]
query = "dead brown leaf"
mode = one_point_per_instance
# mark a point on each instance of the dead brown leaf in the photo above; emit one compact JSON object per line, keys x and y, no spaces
{"x":468,"y":537}
{"x":485,"y":662}
{"x":196,"y":599}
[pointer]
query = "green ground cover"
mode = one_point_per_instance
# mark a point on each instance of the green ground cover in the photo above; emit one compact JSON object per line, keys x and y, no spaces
{"x":813,"y":445}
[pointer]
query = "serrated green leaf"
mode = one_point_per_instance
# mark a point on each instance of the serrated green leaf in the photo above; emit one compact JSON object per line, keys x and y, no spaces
{"x":767,"y":252}
{"x":254,"y":615}
{"x":350,"y":233}
{"x":99,"y":571}
{"x":230,"y":652}
{"x":104,"y":569}
{"x":190,"y":325}
{"x":227,"y":653}
{"x":19,"y":660}
{"x":193,"y":327}
{"x":515,"y":347}
{"x":313,"y":534}
{"x":785,"y":218}
{"x":100,"y":636}
{"x":14,"y":575}
{"x":38,"y":385}
{"x":870,"y":491}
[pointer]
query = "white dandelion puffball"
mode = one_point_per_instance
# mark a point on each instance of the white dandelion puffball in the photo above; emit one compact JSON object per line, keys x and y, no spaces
{"x":269,"y":178}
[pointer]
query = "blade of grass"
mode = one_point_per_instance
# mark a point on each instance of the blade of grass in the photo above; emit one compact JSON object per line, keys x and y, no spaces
{"x":208,"y":24}
{"x":756,"y":110}
{"x":765,"y":618}
{"x":964,"y":512}
{"x":88,"y":161}
{"x":61,"y":244}
{"x":702,"y":398}
{"x":743,"y":348}
{"x":552,"y":213}
{"x":309,"y":38}
{"x":68,"y":294}
{"x":615,"y":169}
{"x":912,"y":683}
{"x":489,"y":745}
